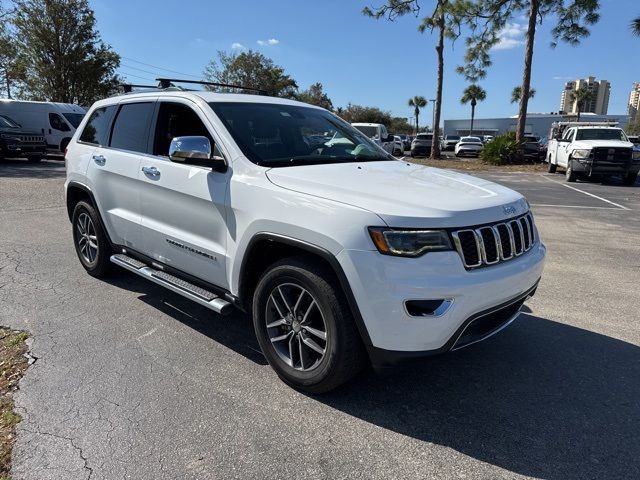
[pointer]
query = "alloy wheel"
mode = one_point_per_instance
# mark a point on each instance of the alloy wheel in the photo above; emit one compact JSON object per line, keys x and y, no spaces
{"x":87,"y":240}
{"x":296,"y":326}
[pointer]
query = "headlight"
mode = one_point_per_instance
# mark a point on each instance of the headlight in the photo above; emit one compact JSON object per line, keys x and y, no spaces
{"x":636,"y":154}
{"x":409,"y":243}
{"x":581,"y":153}
{"x":8,"y":136}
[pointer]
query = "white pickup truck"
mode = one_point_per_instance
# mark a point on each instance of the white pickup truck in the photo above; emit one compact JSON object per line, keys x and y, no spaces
{"x":592,"y":149}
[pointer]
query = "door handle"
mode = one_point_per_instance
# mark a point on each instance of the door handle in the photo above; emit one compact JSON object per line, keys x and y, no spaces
{"x":99,"y":159}
{"x":151,"y":171}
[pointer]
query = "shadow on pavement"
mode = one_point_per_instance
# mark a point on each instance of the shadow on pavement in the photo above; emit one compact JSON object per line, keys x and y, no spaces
{"x":234,"y":331}
{"x":542,"y":399}
{"x":20,"y":168}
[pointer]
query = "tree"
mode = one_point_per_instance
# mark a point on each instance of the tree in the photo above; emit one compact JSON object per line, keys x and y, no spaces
{"x":316,"y":96}
{"x":9,"y":66}
{"x":635,"y":26}
{"x":516,"y":94}
{"x":358,"y":113}
{"x":417,"y":103}
{"x":488,"y":18}
{"x":400,"y":125}
{"x":445,"y":19}
{"x":251,"y":69}
{"x":473,"y":94}
{"x":62,"y":54}
{"x":580,"y":97}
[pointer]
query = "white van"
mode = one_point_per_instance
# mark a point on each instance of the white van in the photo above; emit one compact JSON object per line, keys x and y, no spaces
{"x":56,"y":121}
{"x":378,"y":133}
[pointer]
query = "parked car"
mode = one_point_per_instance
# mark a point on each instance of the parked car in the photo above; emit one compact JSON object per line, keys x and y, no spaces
{"x":421,"y":145}
{"x":398,"y":145}
{"x":635,"y":140}
{"x":378,"y":133}
{"x":18,"y":142}
{"x":341,"y":254}
{"x":469,"y":147}
{"x":57,"y":122}
{"x":592,"y":148}
{"x":406,"y":142}
{"x":531,"y":148}
{"x":449,"y":142}
{"x":487,"y":138}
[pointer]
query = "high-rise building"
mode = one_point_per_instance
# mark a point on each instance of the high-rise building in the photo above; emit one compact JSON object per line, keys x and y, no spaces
{"x":634,"y":101}
{"x":599,"y":101}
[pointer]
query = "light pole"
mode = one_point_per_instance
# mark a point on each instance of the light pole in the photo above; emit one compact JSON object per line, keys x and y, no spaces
{"x":433,"y":113}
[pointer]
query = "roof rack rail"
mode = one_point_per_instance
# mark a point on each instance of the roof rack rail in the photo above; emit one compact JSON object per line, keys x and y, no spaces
{"x":128,"y":87}
{"x":168,"y":82}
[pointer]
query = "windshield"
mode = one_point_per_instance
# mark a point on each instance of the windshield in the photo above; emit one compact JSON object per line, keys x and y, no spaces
{"x":6,"y":122}
{"x":281,"y":135}
{"x":367,"y":130}
{"x":424,"y":136}
{"x":470,"y":140}
{"x":74,"y":118}
{"x":452,"y":137}
{"x":601,"y":134}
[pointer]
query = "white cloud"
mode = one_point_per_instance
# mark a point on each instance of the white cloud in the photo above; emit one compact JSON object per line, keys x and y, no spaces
{"x":237,"y":46}
{"x":271,"y":41}
{"x":511,"y":36}
{"x":562,"y":78}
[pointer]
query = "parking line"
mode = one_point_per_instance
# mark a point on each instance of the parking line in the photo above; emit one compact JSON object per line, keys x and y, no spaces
{"x":587,"y":193}
{"x":572,"y":206}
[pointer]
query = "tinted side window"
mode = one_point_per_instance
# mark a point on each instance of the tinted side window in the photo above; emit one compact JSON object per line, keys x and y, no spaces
{"x":131,"y":127}
{"x":96,"y":131}
{"x":57,"y":123}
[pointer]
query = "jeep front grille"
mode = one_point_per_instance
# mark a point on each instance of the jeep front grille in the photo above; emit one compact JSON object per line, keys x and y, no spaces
{"x":494,"y":243}
{"x":31,"y":138}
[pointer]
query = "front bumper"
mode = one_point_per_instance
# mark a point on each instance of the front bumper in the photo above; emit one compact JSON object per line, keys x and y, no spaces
{"x":594,"y":167}
{"x":382,"y":284}
{"x":19,"y":149}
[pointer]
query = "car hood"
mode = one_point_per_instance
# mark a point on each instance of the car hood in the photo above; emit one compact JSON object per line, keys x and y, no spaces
{"x":601,"y":143}
{"x":19,"y":131}
{"x":405,"y":194}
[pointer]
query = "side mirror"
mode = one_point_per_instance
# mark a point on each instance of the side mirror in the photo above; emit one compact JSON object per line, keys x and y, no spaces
{"x":195,"y":151}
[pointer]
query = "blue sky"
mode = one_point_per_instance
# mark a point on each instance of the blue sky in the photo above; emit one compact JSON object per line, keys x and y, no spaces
{"x":360,"y":60}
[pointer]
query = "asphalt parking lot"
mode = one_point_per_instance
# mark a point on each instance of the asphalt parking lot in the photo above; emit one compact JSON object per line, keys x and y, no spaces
{"x":132,"y":381}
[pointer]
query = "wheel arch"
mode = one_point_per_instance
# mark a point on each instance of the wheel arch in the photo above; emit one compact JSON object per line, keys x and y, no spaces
{"x":266,"y":248}
{"x":77,"y":192}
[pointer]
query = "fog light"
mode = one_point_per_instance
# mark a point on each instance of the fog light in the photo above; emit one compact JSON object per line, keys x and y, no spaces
{"x":427,"y":308}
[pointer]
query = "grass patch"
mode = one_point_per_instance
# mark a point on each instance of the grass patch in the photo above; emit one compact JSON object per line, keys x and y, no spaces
{"x":13,"y":363}
{"x":474,"y":165}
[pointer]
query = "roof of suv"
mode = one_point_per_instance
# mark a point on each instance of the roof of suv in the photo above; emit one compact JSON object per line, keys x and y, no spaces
{"x":207,"y":97}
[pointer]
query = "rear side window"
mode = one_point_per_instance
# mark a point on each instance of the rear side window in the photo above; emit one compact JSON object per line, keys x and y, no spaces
{"x":96,"y":131}
{"x":131,"y":127}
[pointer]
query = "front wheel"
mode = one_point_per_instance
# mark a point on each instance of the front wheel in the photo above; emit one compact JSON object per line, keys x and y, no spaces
{"x":304,"y":326}
{"x":630,"y":179}
{"x":569,"y":173}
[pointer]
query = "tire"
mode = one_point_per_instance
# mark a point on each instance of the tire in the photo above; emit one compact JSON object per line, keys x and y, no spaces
{"x":551,"y":167}
{"x":90,"y":240}
{"x":312,"y":286}
{"x":64,"y":144}
{"x":570,"y":175}
{"x":629,"y":179}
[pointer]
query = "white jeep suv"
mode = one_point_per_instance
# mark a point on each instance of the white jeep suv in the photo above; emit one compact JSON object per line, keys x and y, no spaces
{"x":342,"y":254}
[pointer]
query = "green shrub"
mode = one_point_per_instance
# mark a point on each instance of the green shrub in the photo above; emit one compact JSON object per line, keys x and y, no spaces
{"x":501,"y":149}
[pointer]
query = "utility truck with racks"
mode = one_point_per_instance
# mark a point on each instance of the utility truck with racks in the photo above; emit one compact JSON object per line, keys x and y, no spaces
{"x":592,"y":149}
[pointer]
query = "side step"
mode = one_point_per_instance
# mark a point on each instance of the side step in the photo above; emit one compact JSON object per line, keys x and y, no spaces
{"x":175,"y":284}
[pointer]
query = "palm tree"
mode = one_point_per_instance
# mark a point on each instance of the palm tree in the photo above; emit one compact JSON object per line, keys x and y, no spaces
{"x":417,"y":103}
{"x":474,"y":94}
{"x":580,"y":96}
{"x":516,"y":94}
{"x":635,"y":26}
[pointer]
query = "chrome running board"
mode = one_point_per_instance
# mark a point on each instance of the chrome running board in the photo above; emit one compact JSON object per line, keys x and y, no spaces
{"x":188,"y":290}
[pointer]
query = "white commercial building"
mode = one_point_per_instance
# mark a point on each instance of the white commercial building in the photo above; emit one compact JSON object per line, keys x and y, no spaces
{"x":634,"y":101}
{"x":599,"y":101}
{"x":537,"y":124}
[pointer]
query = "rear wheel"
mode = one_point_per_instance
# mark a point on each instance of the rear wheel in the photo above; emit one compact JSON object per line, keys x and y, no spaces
{"x":551,"y":167}
{"x":92,"y":246}
{"x":304,"y":326}
{"x":630,"y":178}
